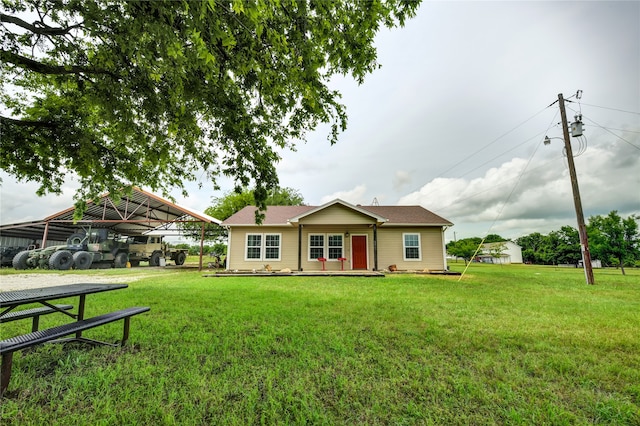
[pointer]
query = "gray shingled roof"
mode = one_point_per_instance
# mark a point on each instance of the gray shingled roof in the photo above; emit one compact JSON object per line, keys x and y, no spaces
{"x":400,"y":215}
{"x":396,"y":215}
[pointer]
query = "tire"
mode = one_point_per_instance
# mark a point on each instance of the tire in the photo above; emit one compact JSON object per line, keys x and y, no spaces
{"x":134,"y":263}
{"x":19,"y":261}
{"x":154,"y":260}
{"x":82,"y":260}
{"x":180,"y":258}
{"x":121,"y":260}
{"x":76,"y":239}
{"x":61,"y":260}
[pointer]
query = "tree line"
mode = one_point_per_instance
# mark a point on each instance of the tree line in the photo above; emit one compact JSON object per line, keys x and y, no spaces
{"x":613,"y":240}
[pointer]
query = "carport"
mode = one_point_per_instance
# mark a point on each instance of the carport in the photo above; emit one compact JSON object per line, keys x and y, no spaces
{"x":136,"y":214}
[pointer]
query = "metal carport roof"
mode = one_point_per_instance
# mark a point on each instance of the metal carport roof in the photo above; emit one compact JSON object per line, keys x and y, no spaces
{"x":133,"y":214}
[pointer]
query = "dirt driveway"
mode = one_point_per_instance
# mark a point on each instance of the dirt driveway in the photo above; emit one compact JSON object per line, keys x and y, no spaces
{"x":26,"y":281}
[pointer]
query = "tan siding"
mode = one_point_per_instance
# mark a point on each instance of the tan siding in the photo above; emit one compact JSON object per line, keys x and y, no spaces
{"x":288,"y":248}
{"x":332,"y":265}
{"x":336,"y":214}
{"x":390,"y":249}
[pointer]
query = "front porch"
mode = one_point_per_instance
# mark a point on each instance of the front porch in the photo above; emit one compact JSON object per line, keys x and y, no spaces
{"x":352,"y":273}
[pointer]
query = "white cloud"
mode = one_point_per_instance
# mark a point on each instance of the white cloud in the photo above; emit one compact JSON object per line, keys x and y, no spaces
{"x":353,"y":196}
{"x":540,"y":198}
{"x":401,"y":179}
{"x":19,"y":203}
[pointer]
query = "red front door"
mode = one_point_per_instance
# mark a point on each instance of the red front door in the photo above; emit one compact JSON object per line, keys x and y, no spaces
{"x":359,"y":252}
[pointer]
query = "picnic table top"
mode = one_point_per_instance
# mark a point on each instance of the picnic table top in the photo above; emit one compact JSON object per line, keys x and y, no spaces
{"x":23,"y":297}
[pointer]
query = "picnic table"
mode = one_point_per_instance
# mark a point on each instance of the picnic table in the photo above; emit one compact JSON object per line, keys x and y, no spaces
{"x":10,"y":300}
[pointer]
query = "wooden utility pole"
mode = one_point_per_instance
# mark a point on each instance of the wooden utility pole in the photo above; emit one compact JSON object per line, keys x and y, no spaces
{"x":582,"y":229}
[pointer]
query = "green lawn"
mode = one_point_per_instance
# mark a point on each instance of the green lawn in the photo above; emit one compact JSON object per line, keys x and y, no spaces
{"x":505,"y":345}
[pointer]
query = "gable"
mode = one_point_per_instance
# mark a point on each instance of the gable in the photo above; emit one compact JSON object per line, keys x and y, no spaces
{"x":337,"y":213}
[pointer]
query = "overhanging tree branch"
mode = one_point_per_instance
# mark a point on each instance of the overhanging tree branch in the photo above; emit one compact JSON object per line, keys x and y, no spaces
{"x":42,"y":68}
{"x":43,"y":30}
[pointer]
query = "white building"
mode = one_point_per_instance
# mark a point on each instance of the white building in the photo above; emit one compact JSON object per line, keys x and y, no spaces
{"x":503,"y":252}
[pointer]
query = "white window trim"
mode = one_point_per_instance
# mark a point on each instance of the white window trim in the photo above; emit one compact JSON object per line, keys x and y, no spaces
{"x":325,"y":247}
{"x":330,"y":247}
{"x":404,"y":247}
{"x":263,"y":247}
{"x":279,"y":246}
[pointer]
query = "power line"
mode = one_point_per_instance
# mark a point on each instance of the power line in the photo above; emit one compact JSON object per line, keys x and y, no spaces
{"x":613,"y":109}
{"x":513,"y":189}
{"x":491,"y":159}
{"x":611,"y":133}
{"x":492,"y":142}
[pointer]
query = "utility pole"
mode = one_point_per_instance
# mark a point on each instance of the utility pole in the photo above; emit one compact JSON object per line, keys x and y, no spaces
{"x":582,"y":229}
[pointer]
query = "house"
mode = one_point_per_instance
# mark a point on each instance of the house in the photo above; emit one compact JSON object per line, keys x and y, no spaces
{"x":501,"y":252}
{"x":337,"y":236}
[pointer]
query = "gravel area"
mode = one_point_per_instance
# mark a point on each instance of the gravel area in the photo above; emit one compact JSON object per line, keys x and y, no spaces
{"x":27,"y":281}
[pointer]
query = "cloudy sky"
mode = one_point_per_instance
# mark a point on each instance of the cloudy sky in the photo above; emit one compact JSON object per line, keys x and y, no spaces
{"x":456,"y":117}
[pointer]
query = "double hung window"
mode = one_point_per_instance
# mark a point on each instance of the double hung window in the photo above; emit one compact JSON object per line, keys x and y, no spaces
{"x":335,"y":246}
{"x":411,"y":246}
{"x":316,"y":246}
{"x":328,"y":246}
{"x":263,"y":247}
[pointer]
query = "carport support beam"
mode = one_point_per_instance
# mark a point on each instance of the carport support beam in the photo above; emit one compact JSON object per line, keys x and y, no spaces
{"x":45,"y":235}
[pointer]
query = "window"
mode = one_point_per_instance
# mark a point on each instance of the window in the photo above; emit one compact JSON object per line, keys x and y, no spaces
{"x":335,"y":246}
{"x":263,"y":247}
{"x":316,"y":246}
{"x":411,"y":246}
{"x":329,"y":246}
{"x":254,"y":246}
{"x":272,"y":247}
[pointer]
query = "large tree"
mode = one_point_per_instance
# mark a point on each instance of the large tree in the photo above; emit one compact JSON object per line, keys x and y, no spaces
{"x":564,"y":246}
{"x":232,"y":202}
{"x":614,"y":240}
{"x":464,"y":248}
{"x":532,"y":247}
{"x":156,"y":93}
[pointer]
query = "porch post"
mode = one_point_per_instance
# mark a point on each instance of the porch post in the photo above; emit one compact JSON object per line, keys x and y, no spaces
{"x":299,"y":247}
{"x":375,"y":247}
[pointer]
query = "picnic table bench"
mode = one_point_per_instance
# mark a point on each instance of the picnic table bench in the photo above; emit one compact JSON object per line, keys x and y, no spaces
{"x":12,"y":299}
{"x":33,"y":313}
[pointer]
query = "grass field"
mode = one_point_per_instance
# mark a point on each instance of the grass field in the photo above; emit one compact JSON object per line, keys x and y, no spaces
{"x":505,"y":345}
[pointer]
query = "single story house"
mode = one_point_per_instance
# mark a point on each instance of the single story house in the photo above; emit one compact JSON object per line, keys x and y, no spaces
{"x":502,"y":252}
{"x":337,"y":236}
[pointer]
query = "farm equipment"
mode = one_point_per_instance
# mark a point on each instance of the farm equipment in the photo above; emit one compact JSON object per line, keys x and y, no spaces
{"x":8,"y":253}
{"x":91,"y":249}
{"x":151,"y":248}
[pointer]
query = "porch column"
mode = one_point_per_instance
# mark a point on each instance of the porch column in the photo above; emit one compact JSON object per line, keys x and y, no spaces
{"x":299,"y":247}
{"x":375,"y":247}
